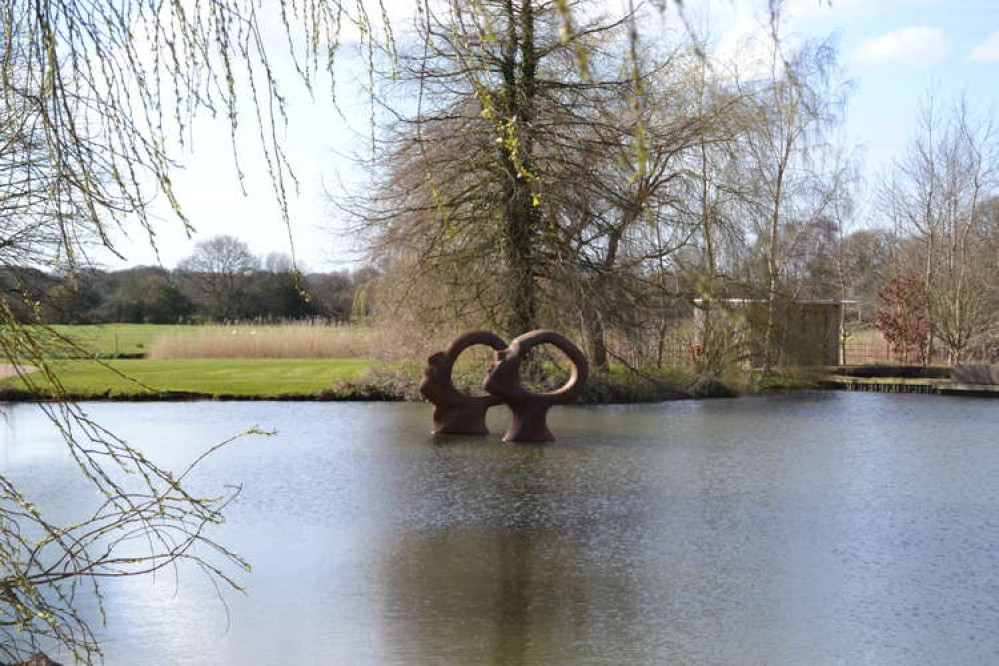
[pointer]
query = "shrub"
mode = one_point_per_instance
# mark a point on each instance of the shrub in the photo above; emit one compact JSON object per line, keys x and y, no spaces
{"x":903,"y":317}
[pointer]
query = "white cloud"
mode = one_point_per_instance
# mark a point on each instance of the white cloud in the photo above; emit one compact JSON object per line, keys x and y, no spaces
{"x":986,"y":51}
{"x":916,"y":46}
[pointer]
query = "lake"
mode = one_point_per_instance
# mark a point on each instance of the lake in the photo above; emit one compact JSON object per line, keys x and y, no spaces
{"x":818,"y":528}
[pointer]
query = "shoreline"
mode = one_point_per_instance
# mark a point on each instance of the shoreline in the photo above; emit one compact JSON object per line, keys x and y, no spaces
{"x":307,"y":380}
{"x":15,"y":396}
{"x":366,"y":380}
{"x":18,"y":396}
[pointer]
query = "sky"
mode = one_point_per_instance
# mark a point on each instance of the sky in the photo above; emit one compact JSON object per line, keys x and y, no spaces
{"x":893,"y":52}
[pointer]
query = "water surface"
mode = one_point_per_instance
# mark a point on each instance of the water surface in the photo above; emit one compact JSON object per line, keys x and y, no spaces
{"x":820,"y":528}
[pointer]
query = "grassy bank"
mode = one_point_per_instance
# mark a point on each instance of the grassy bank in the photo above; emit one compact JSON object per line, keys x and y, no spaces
{"x":110,"y":340}
{"x":142,"y":379}
{"x":305,"y":362}
{"x":309,"y":379}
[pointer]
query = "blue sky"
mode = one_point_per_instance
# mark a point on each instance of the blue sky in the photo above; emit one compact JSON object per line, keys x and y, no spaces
{"x":893,"y":51}
{"x":896,"y":53}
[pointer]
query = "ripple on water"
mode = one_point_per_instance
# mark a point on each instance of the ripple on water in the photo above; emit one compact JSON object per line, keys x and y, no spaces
{"x":816,"y":528}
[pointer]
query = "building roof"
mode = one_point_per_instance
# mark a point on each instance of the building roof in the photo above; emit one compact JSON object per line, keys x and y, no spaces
{"x":802,"y":301}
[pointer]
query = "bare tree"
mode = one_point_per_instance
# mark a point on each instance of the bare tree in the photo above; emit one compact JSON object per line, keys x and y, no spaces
{"x":709,"y":197}
{"x":791,"y":175}
{"x":936,"y":196}
{"x":279,"y":262}
{"x":219,"y":271}
{"x":471,"y":183}
{"x":627,"y":210}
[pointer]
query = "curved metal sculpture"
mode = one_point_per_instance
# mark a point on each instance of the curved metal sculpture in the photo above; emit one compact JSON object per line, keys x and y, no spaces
{"x":456,"y":413}
{"x":530,"y":410}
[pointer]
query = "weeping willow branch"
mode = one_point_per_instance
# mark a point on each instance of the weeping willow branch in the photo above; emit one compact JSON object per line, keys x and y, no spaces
{"x":114,"y":88}
{"x":96,"y":97}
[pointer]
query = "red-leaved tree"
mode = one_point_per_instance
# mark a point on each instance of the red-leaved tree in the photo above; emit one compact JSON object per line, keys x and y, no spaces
{"x":903,"y":317}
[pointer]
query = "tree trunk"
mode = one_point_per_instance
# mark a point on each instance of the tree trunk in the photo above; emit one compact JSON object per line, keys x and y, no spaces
{"x":595,"y":338}
{"x":521,"y":215}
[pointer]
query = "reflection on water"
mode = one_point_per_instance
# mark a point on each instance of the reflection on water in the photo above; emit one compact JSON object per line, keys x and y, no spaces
{"x":823,"y":528}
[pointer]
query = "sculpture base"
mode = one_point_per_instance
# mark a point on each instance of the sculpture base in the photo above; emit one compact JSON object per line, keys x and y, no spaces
{"x":469,"y":420}
{"x":530,"y":424}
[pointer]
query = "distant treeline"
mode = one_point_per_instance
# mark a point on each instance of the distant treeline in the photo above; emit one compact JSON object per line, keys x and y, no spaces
{"x":269,"y":290}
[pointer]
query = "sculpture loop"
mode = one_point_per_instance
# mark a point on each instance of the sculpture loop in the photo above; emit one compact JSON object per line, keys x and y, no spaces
{"x":454,"y":412}
{"x":457,"y":413}
{"x":530,"y":410}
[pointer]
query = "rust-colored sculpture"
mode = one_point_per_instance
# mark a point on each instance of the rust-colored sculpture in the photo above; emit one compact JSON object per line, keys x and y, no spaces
{"x":454,"y":412}
{"x":457,"y":413}
{"x":530,"y":410}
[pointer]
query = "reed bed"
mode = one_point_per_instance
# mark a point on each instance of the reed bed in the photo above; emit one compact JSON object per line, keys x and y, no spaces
{"x":279,"y":341}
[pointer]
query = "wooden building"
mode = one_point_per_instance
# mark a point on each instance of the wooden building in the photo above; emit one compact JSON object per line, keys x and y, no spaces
{"x":806,"y":332}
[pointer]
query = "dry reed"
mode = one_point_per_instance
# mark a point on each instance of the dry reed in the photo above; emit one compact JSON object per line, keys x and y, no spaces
{"x":280,"y":341}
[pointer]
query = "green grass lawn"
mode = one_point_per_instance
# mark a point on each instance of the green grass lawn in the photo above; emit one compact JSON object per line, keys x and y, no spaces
{"x":246,"y":378}
{"x":109,"y":340}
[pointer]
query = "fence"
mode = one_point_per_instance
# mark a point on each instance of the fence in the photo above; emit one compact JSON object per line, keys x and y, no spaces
{"x":679,"y":347}
{"x":870,"y":347}
{"x":651,"y":347}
